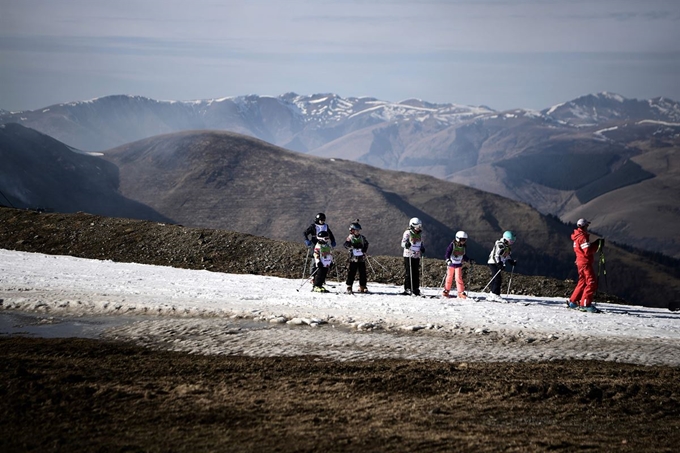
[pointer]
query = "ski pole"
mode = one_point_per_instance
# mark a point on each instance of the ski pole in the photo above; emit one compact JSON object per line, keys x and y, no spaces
{"x":469,"y":274}
{"x":376,"y":262}
{"x":371,"y":266}
{"x":307,"y":279}
{"x":492,"y":278}
{"x":304,"y":269}
{"x":510,"y":282}
{"x":604,"y":269}
{"x":410,"y":272}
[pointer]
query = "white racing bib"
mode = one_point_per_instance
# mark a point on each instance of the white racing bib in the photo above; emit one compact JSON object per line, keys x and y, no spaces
{"x":326,"y":260}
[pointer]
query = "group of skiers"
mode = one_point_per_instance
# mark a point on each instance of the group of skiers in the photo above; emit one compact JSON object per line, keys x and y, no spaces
{"x":320,"y":236}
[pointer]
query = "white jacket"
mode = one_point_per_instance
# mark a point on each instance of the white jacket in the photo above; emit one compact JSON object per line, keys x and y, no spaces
{"x":416,"y":241}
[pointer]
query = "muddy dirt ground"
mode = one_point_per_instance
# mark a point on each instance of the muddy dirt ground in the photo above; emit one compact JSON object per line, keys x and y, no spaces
{"x":89,"y":395}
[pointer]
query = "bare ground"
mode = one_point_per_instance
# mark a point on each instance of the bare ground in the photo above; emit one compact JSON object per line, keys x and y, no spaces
{"x":88,"y":395}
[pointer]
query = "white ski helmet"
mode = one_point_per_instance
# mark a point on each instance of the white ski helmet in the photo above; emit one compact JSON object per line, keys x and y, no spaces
{"x":509,"y":236}
{"x":461,"y":235}
{"x":415,"y":224}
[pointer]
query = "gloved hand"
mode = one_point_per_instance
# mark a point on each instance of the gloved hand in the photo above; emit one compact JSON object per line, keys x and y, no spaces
{"x":448,"y":262}
{"x":511,"y":262}
{"x":601,"y":242}
{"x":422,"y":250}
{"x":407,"y":244}
{"x":333,"y":244}
{"x":308,"y":243}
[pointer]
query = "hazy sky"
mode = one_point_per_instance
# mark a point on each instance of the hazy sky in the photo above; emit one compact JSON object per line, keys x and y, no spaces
{"x":499,"y":53}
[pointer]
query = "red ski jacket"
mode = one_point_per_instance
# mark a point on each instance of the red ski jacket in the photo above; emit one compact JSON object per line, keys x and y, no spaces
{"x":583,"y":248}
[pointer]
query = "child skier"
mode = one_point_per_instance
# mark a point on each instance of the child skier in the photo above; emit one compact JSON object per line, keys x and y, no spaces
{"x":500,"y":256}
{"x":455,"y":256}
{"x":323,"y":258}
{"x":357,"y":245}
{"x":412,"y":243}
{"x":312,"y":232}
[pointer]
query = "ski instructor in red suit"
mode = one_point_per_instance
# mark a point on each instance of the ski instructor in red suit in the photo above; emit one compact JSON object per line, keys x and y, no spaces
{"x":582,"y":297}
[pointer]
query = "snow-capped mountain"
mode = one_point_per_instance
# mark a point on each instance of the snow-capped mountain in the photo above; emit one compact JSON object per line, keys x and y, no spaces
{"x":600,"y":108}
{"x":526,"y":155}
{"x":297,"y":122}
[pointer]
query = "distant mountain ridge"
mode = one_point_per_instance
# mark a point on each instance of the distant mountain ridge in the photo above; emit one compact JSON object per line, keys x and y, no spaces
{"x":589,"y":157}
{"x":278,"y":119}
{"x":604,"y":107}
{"x":122,"y":119}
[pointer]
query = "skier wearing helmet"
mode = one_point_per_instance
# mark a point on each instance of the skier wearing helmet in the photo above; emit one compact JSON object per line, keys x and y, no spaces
{"x":323,"y":258}
{"x":455,"y":257}
{"x":357,"y":245}
{"x":412,"y":243}
{"x":582,"y":297}
{"x":319,"y":224}
{"x":312,"y":232}
{"x":500,"y":256}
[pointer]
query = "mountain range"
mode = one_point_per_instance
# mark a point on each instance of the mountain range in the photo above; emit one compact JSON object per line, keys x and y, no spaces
{"x":229,"y":181}
{"x":601,"y":156}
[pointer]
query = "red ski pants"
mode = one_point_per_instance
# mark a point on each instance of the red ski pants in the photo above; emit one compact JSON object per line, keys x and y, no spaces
{"x":585,"y":287}
{"x":458,"y":272}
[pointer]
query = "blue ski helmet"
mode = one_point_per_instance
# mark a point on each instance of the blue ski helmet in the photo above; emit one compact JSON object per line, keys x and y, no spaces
{"x":509,"y":236}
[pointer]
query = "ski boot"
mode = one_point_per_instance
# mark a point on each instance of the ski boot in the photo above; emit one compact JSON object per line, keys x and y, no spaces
{"x":590,"y":309}
{"x":363,"y":289}
{"x":462,"y":295}
{"x":349,"y":290}
{"x":319,"y":289}
{"x":445,"y":294}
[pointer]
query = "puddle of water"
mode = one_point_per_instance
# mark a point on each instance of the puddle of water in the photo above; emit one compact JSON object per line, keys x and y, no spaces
{"x":45,"y":326}
{"x":17,"y":323}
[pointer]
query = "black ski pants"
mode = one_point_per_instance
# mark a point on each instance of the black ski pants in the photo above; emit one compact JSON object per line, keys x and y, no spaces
{"x":320,"y":276}
{"x":412,"y":275}
{"x":497,"y":280}
{"x":355,"y":266}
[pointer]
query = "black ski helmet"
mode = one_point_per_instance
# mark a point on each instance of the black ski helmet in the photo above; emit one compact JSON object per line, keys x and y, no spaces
{"x":320,"y":217}
{"x":355,"y":225}
{"x":322,"y":236}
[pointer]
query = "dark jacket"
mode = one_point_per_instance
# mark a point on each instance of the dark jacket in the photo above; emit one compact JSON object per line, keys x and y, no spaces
{"x":357,"y":246}
{"x":313,"y":231}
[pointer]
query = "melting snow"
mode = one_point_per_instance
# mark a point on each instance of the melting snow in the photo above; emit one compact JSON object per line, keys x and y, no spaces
{"x":188,"y":310}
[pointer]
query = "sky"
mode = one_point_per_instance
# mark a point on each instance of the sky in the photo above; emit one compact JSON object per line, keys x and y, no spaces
{"x":500,"y":53}
{"x":199,"y":311}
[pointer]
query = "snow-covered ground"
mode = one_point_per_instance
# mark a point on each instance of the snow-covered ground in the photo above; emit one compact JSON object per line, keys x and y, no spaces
{"x":197,"y":311}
